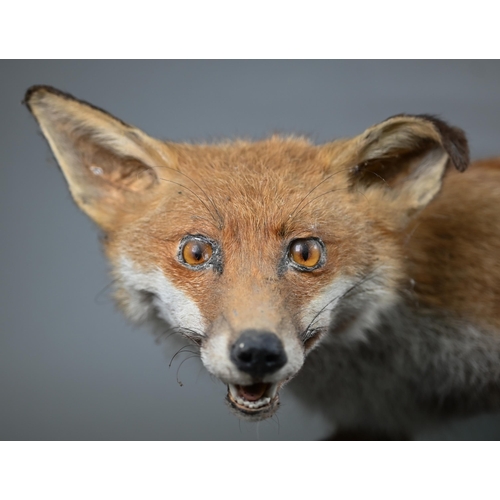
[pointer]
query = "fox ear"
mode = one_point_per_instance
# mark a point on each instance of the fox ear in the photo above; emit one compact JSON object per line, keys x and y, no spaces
{"x":108,"y":164}
{"x":405,"y":158}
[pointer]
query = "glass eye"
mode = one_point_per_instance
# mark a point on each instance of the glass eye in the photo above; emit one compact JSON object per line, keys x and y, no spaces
{"x":307,"y":253}
{"x":196,"y":252}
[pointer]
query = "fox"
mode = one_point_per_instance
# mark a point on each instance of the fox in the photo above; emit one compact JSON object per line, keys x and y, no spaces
{"x":363,"y":271}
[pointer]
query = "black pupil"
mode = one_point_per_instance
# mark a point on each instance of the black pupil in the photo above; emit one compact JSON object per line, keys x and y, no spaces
{"x":197,"y":252}
{"x":304,"y":251}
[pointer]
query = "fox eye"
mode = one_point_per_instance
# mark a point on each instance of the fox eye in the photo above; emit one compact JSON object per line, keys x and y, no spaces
{"x":196,"y":251}
{"x":306,"y":253}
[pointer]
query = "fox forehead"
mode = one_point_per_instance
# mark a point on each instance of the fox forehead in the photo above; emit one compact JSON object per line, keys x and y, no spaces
{"x":253,"y":198}
{"x":258,"y":193}
{"x":263,"y":180}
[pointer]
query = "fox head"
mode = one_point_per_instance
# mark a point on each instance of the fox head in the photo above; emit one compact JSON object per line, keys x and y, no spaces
{"x":255,"y":251}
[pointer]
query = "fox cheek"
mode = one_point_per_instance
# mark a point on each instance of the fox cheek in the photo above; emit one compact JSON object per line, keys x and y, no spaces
{"x":149,"y":294}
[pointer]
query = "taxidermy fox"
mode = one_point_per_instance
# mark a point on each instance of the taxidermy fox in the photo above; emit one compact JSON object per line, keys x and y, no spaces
{"x":366,"y":269}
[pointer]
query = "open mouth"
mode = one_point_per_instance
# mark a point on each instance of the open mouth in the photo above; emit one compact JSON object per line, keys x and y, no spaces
{"x":253,"y":398}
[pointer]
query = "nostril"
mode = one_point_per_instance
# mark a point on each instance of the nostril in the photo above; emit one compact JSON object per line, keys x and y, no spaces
{"x":258,"y":353}
{"x":245,"y":356}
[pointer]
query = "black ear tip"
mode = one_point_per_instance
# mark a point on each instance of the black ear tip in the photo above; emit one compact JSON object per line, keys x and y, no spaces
{"x":40,"y":90}
{"x":29,"y":94}
{"x":35,"y":90}
{"x":453,"y":139}
{"x":454,"y":142}
{"x":459,"y":149}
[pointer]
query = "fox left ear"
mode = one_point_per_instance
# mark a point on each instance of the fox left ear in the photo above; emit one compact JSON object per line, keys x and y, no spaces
{"x":405,"y":157}
{"x":110,"y":166}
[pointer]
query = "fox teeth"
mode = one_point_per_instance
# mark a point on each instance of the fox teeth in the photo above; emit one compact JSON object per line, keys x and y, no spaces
{"x":234,"y":391}
{"x":252,"y":404}
{"x":273,"y":389}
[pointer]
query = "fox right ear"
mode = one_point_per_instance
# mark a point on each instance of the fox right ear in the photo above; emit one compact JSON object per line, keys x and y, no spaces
{"x":403,"y":159}
{"x":106,"y":162}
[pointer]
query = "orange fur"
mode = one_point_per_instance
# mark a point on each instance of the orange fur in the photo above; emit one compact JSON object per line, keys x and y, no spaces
{"x":256,"y":217}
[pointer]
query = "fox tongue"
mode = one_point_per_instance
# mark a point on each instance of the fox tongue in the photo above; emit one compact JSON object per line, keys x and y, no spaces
{"x":252,"y":392}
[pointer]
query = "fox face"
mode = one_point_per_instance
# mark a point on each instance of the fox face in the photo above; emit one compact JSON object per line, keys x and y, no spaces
{"x":255,"y":288}
{"x":254,"y":251}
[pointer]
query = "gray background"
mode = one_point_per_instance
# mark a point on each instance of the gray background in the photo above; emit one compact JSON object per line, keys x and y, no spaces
{"x":70,"y":366}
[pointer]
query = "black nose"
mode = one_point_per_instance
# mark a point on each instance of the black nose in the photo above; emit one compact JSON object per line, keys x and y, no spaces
{"x":258,"y":353}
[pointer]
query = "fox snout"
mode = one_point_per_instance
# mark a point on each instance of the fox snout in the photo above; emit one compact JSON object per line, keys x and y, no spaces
{"x":254,"y":363}
{"x":258,"y":353}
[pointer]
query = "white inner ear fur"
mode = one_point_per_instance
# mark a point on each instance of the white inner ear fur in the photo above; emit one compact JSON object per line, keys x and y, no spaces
{"x":171,"y":304}
{"x":425,"y":181}
{"x":62,"y":119}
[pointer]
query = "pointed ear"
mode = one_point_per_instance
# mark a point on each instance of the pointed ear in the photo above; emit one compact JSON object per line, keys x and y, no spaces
{"x":109,"y":165}
{"x":405,"y":157}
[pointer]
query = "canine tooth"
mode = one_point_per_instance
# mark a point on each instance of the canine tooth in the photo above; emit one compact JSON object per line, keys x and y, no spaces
{"x":273,"y":390}
{"x":233,"y":390}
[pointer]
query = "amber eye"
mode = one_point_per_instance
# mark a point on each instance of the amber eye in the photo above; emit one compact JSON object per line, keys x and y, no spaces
{"x":307,"y":253}
{"x":196,"y":252}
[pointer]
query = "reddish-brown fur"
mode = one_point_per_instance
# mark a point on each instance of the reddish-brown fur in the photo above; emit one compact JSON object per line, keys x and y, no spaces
{"x":452,"y":247}
{"x":257,"y":218}
{"x":445,"y":246}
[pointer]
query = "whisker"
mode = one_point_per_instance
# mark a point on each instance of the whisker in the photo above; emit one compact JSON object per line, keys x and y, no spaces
{"x":409,"y":236}
{"x":277,"y":421}
{"x":192,"y":335}
{"x":217,"y":226}
{"x":379,"y":176}
{"x":316,"y":187}
{"x":188,"y":333}
{"x":319,"y":196}
{"x":199,"y":373}
{"x":201,"y":189}
{"x":106,"y":288}
{"x":182,"y":362}
{"x":165,"y":335}
{"x":182,"y":349}
{"x":307,"y":331}
{"x":191,"y":330}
